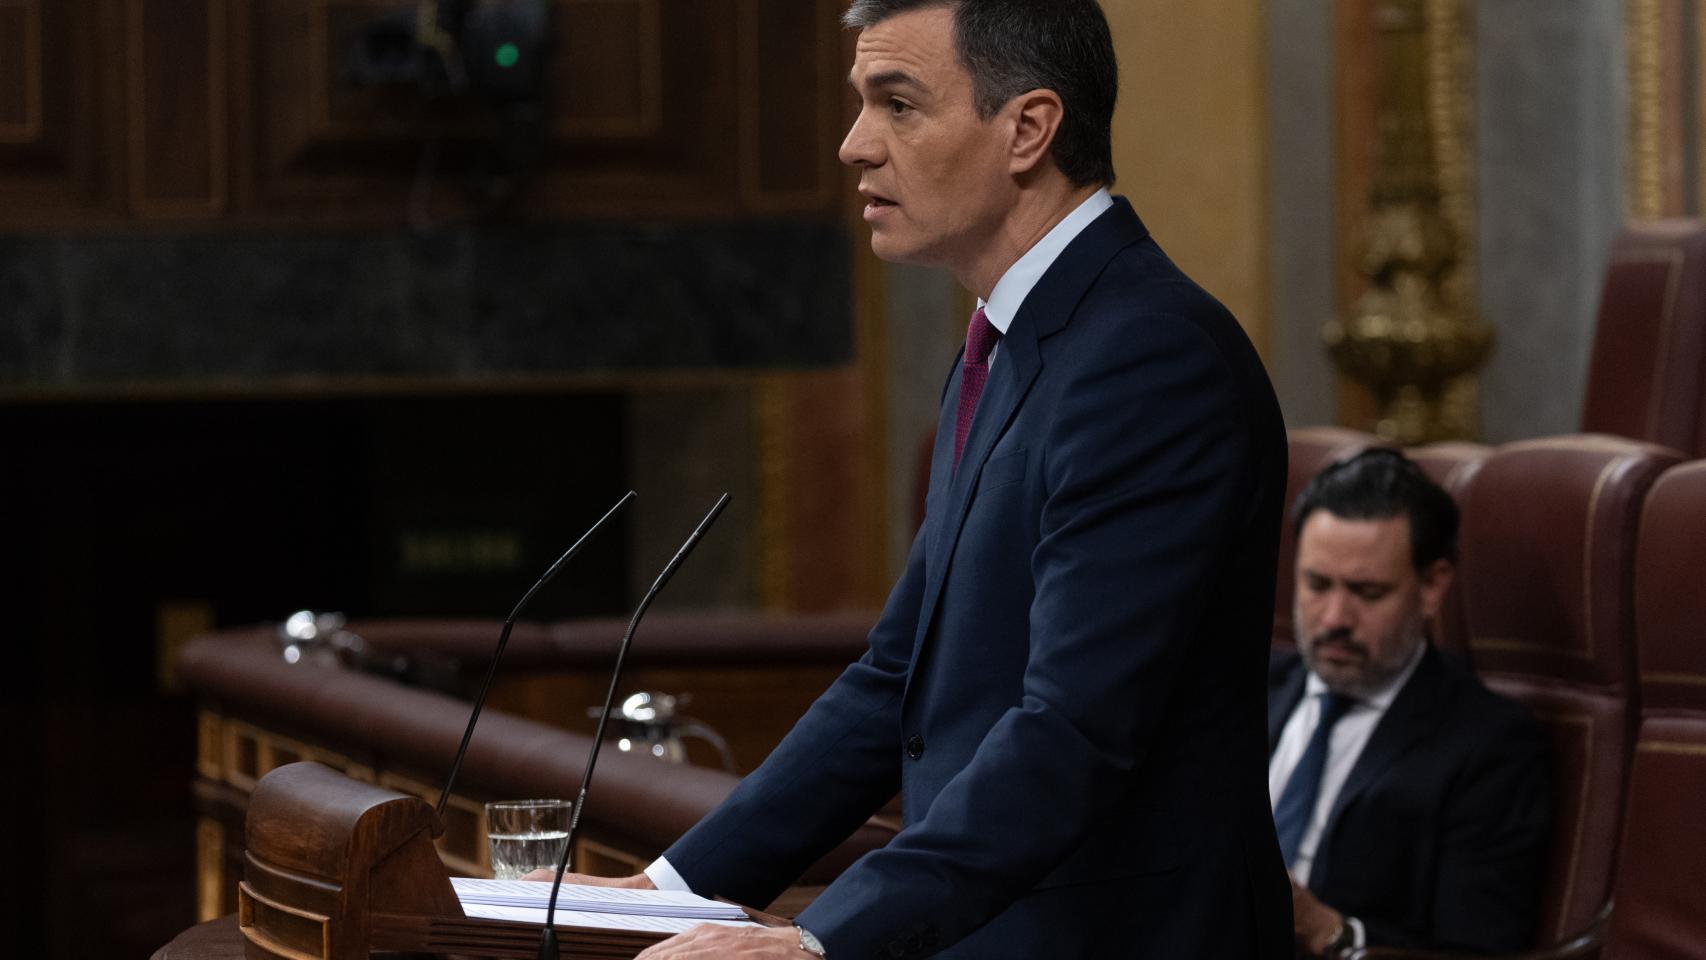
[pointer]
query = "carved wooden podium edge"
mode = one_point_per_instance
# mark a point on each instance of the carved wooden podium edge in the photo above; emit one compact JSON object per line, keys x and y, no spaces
{"x":336,"y":869}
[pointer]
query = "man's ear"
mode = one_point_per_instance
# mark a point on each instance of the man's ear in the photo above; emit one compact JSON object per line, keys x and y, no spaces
{"x":1036,"y":120}
{"x":1435,"y":581}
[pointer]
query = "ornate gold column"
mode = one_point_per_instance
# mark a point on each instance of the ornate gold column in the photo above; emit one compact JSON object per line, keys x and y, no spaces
{"x":1413,"y":335}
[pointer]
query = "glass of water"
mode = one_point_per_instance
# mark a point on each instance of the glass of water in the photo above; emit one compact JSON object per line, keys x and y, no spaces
{"x":526,"y":835}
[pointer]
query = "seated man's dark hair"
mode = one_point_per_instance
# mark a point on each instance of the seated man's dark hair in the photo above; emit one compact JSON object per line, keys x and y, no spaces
{"x":1380,"y":483}
{"x":1014,"y":46}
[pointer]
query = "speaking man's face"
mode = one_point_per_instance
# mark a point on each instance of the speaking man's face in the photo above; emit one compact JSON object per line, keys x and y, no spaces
{"x":1361,"y":607}
{"x":935,"y":177}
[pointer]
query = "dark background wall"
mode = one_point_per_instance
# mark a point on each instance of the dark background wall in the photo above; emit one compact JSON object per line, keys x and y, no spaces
{"x":268,"y":342}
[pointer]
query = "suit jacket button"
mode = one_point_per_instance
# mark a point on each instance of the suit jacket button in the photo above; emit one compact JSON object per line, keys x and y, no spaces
{"x":915,"y":746}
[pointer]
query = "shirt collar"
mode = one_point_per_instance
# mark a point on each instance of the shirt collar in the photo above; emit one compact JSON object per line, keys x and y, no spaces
{"x":1380,"y":699}
{"x":1015,"y":285}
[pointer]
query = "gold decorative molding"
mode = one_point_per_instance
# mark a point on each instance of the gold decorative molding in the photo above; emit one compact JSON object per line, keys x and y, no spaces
{"x":1448,"y":44}
{"x":1644,"y":30}
{"x":1672,"y":748}
{"x":29,"y":128}
{"x":1413,"y":336}
{"x":209,"y":869}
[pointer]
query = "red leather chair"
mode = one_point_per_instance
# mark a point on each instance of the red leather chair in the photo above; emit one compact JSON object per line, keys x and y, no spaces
{"x":1547,"y":564}
{"x":1661,"y":868}
{"x":1647,"y":372}
{"x":1452,"y":466}
{"x":1311,"y":449}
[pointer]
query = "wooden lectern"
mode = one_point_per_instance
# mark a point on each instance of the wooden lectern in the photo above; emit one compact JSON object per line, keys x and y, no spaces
{"x":336,"y":869}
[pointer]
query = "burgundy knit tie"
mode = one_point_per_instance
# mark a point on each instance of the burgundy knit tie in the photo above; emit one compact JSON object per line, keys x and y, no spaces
{"x":974,"y":373}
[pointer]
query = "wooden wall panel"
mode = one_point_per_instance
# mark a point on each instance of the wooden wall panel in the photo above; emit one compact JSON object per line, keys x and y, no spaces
{"x":790,"y":77}
{"x":20,"y":71}
{"x":56,"y":79}
{"x":657,"y":108}
{"x":242,"y":111}
{"x":176,"y":86}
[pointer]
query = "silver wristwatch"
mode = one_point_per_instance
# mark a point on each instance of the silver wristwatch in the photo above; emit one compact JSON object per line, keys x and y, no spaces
{"x":809,"y":943}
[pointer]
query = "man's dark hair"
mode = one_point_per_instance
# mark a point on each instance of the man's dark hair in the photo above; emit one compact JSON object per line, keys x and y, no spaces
{"x":1014,"y":46}
{"x":1378,"y":484}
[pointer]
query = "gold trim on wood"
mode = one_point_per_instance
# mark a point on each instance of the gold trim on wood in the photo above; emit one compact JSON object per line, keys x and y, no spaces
{"x":218,"y":49}
{"x":209,"y":869}
{"x":1672,"y":748}
{"x":1681,"y":679}
{"x":1449,"y":54}
{"x":771,"y":407}
{"x":1643,"y":28}
{"x":30,"y":128}
{"x":1700,"y":110}
{"x":209,"y":735}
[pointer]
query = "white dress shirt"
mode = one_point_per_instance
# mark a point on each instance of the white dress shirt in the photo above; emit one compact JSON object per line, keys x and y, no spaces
{"x":1001,"y":307}
{"x":1350,"y":735}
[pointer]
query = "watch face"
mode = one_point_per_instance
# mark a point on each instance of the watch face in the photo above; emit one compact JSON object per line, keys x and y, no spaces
{"x":809,"y":943}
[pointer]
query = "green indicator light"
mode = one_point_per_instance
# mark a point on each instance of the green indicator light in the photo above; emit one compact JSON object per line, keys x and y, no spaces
{"x":508,"y":55}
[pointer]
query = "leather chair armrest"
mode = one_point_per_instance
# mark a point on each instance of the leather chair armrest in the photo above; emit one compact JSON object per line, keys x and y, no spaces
{"x":1584,"y":945}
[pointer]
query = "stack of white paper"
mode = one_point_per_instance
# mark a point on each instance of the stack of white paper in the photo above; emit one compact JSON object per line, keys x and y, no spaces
{"x":584,"y":906}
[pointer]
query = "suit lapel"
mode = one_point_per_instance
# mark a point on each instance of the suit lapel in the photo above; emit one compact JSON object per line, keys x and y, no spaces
{"x":1046,"y":310}
{"x":1016,"y":368}
{"x":1407,"y":721}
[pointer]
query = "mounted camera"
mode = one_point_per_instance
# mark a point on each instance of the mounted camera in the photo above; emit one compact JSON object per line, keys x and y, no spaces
{"x":493,"y":49}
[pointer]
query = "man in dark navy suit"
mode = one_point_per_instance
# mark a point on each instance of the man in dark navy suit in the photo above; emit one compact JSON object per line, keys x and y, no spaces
{"x":1412,"y":804}
{"x":1066,"y":685}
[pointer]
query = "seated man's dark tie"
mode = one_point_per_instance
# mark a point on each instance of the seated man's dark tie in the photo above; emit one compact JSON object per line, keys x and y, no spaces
{"x":1296,"y":806}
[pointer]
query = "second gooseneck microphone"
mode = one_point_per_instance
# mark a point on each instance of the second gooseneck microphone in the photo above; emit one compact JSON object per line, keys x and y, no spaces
{"x":548,"y":949}
{"x":503,"y":641}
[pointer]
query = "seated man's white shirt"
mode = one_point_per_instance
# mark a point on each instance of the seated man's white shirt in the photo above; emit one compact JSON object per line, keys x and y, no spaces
{"x":1346,"y":744}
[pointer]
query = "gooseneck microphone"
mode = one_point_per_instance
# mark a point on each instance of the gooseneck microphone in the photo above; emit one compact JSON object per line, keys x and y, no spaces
{"x":548,"y":939}
{"x":503,"y":641}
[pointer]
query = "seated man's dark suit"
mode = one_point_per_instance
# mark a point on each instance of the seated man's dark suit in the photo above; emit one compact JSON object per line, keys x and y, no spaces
{"x":1438,"y":838}
{"x":1066,"y":683}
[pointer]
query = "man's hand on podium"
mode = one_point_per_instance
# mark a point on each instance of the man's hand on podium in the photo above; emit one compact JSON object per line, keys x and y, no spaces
{"x":709,"y":942}
{"x":638,"y":881}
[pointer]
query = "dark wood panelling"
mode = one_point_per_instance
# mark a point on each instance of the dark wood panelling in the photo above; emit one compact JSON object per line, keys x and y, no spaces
{"x":647,"y":114}
{"x":242,"y":111}
{"x":57,"y":75}
{"x":175,"y":85}
{"x":20,"y":71}
{"x":790,"y":75}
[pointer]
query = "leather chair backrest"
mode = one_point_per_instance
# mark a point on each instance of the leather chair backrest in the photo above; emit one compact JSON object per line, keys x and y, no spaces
{"x":1647,"y":372}
{"x":1547,"y":563}
{"x":1452,"y":466}
{"x":1661,"y":868}
{"x":1309,"y":449}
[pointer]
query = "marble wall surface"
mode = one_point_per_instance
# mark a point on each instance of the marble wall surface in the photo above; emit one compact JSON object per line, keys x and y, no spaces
{"x":1550,"y":112}
{"x":463,"y":304}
